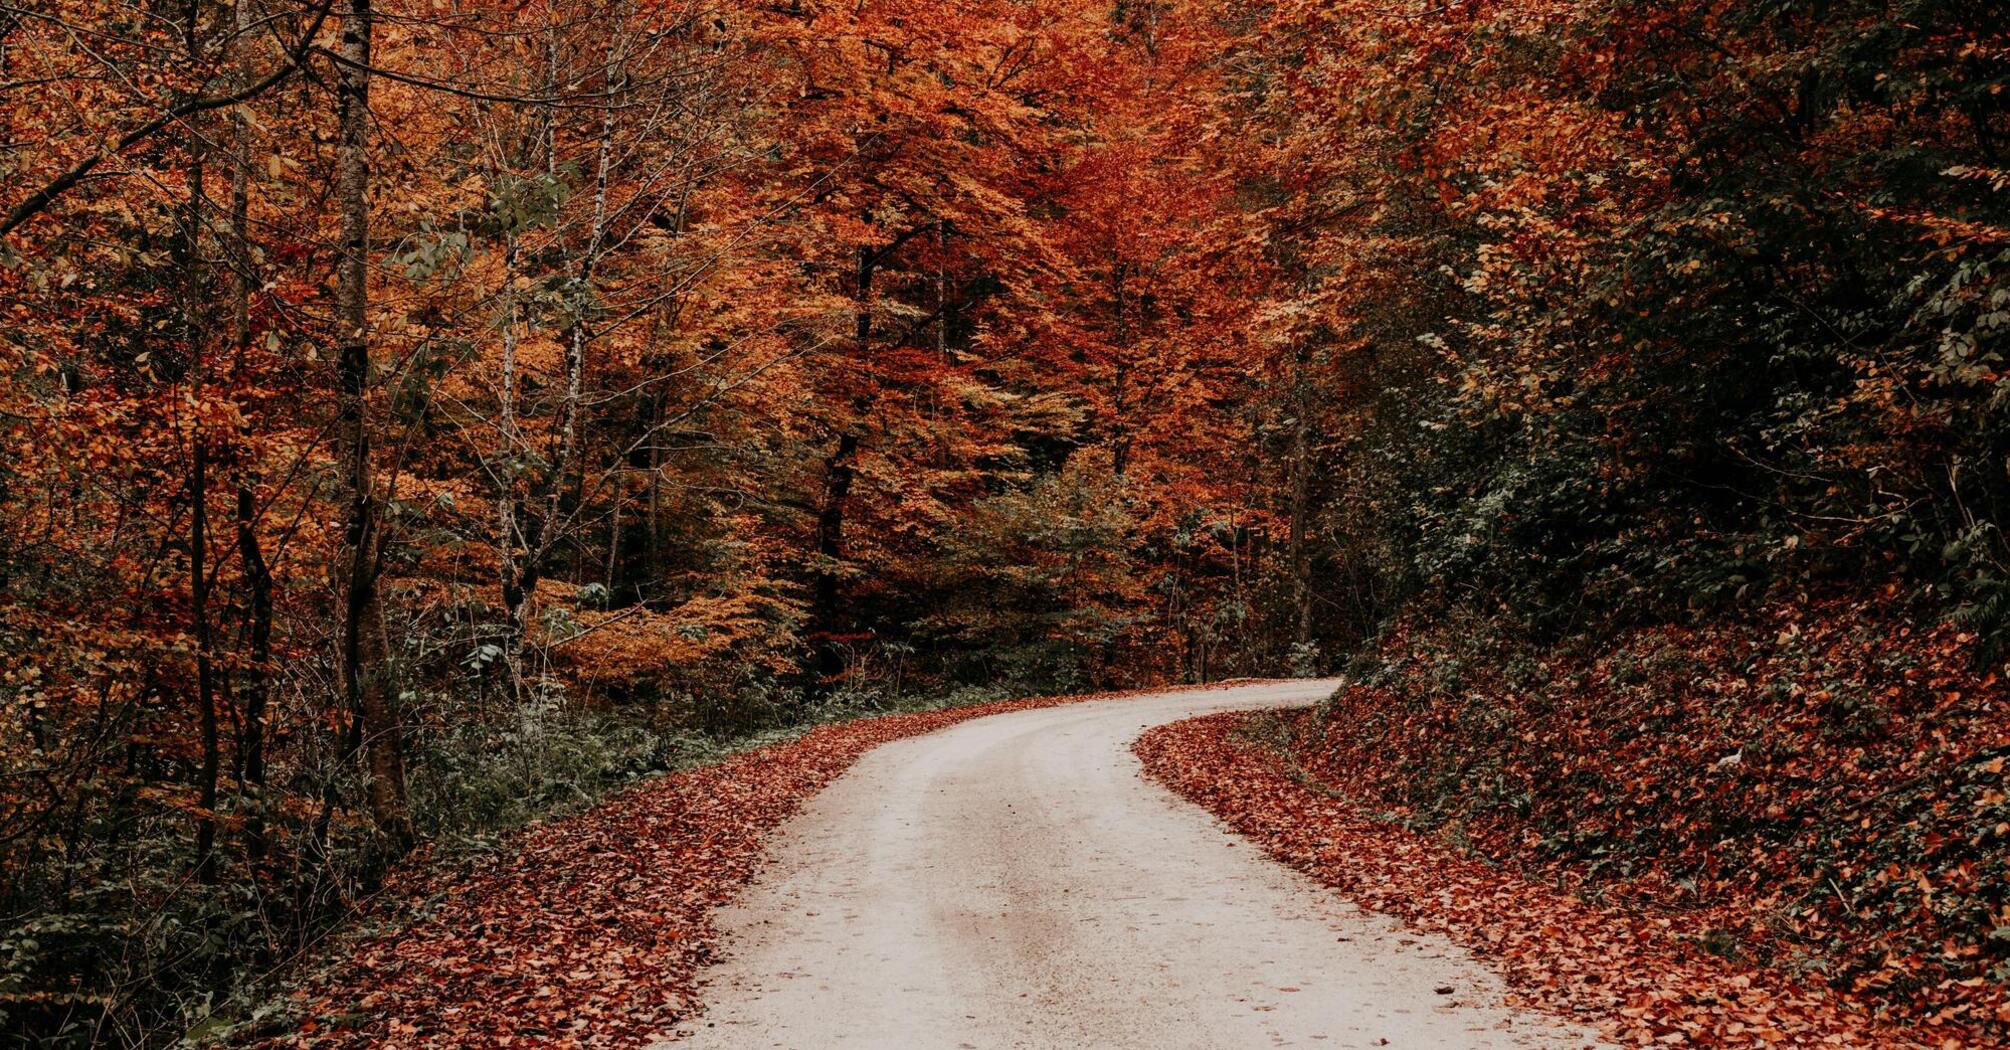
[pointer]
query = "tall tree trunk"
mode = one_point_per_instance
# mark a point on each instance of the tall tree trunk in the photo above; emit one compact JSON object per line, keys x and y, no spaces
{"x":1301,"y":508}
{"x":195,"y":333}
{"x":365,"y":662}
{"x":655,"y":558}
{"x":825,"y":597}
{"x":522,"y":531}
{"x":611,"y":569}
{"x":510,"y":529}
{"x":1301,"y":504}
{"x":205,"y":664}
{"x":195,"y":336}
{"x":840,"y":470}
{"x":942,"y":289}
{"x":541,"y":533}
{"x":255,"y":684}
{"x":1120,"y":451}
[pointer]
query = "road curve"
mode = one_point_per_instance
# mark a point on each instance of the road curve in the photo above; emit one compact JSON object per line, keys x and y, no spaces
{"x":1014,"y":882}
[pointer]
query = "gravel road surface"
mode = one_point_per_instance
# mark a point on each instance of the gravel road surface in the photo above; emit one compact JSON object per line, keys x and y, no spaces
{"x":1014,"y":882}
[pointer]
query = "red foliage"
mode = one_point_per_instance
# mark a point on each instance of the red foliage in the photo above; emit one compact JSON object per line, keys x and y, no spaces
{"x":1624,"y":968}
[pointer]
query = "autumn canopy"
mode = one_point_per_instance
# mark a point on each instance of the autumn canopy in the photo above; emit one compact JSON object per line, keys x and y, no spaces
{"x":420,"y":415}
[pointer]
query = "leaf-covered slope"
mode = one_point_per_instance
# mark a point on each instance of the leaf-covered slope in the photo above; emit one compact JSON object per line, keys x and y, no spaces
{"x":1820,"y":789}
{"x":1626,"y":969}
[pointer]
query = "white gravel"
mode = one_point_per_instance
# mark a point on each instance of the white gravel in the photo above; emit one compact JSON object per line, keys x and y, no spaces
{"x":1014,"y":881}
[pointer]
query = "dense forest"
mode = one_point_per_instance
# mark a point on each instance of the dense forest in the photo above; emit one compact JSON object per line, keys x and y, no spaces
{"x":420,"y":417}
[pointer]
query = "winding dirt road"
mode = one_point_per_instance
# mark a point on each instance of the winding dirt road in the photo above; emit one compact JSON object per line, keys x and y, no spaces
{"x":1014,"y":882}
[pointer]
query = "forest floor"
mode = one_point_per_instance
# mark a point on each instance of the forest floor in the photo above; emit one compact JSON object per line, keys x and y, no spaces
{"x":1633,"y":973}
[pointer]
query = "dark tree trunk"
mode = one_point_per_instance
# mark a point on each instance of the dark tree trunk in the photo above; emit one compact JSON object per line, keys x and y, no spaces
{"x":826,"y":597}
{"x":255,"y":685}
{"x":364,"y":660}
{"x":198,"y":536}
{"x":840,"y":470}
{"x":1301,"y":510}
{"x":195,"y":331}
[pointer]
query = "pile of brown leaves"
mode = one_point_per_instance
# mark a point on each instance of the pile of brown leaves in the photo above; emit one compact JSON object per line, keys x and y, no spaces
{"x":589,"y":931}
{"x":1626,"y":970}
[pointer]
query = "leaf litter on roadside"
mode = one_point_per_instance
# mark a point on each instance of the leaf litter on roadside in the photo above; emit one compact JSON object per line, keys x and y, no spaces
{"x":1626,"y":971}
{"x":589,"y":931}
